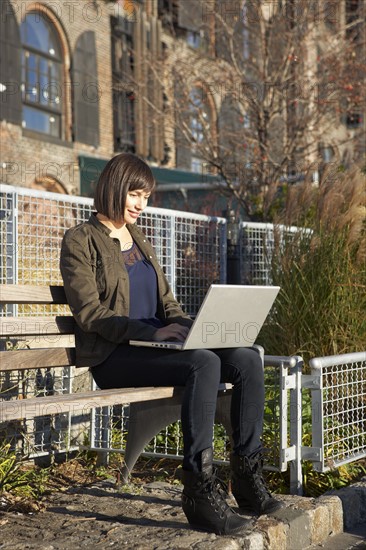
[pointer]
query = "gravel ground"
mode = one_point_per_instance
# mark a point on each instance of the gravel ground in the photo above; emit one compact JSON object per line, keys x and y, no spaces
{"x":98,"y":516}
{"x":80,"y":510}
{"x":82,"y":513}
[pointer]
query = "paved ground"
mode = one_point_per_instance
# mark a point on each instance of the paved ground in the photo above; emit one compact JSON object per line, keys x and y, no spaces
{"x":95,"y":514}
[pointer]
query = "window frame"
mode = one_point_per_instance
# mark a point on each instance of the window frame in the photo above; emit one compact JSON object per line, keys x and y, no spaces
{"x":44,"y":108}
{"x":124,"y":112}
{"x":199,"y":129}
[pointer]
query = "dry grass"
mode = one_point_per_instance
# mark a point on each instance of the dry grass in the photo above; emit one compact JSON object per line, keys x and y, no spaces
{"x":320,"y":310}
{"x":338,"y":204}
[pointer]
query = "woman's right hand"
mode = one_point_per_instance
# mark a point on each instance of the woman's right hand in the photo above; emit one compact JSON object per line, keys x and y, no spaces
{"x":175,"y":331}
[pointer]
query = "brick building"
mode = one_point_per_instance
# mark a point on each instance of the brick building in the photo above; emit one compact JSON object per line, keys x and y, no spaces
{"x":58,"y":65}
{"x":83,"y":80}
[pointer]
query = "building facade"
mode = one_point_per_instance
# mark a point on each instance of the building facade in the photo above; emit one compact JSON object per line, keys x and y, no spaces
{"x":67,"y":94}
{"x":81,"y":81}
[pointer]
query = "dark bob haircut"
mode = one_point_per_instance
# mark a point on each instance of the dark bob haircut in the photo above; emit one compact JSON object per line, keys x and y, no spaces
{"x":123,"y":173}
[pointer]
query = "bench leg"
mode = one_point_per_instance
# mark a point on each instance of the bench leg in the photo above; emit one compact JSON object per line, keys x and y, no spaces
{"x":148,"y":418}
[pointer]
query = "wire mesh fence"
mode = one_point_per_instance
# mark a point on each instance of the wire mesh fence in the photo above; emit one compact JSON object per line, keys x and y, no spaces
{"x":273,"y":417}
{"x":192,"y":251}
{"x":258,"y":241}
{"x":111,"y":428}
{"x":339,"y":409}
{"x":190,"y":248}
{"x":34,"y":436}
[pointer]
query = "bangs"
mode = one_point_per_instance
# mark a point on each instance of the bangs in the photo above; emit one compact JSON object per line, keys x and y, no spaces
{"x":141,"y":179}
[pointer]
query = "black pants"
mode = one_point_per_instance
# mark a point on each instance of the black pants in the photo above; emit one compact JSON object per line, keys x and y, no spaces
{"x":200,"y":372}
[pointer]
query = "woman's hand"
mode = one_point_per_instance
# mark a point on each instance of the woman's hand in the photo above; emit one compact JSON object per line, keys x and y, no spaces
{"x":175,"y":331}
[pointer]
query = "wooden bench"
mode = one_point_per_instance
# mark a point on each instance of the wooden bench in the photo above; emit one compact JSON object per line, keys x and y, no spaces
{"x":151,"y":408}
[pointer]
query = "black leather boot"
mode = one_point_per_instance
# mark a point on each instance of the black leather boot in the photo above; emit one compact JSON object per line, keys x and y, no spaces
{"x":249,"y":487}
{"x":204,"y":502}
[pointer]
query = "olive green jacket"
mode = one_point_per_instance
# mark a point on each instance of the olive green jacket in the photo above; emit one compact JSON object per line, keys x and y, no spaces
{"x":96,"y":284}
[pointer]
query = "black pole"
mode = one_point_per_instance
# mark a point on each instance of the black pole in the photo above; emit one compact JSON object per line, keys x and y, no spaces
{"x":233,"y":271}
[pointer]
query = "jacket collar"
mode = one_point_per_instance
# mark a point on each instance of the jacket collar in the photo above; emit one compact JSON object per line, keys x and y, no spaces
{"x":93,"y":220}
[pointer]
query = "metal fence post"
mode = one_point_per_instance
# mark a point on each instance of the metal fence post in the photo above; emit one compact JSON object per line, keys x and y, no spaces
{"x":173,"y":253}
{"x":11,"y":263}
{"x":223,"y":252}
{"x":233,"y":249}
{"x":296,"y":487}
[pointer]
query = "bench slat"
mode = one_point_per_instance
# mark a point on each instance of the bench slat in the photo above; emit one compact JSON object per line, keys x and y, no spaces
{"x":26,"y":326}
{"x":70,"y":403}
{"x":31,"y":294}
{"x":36,"y":358}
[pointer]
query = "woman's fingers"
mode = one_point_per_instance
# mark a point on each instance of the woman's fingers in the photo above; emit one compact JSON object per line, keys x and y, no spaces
{"x":174,"y":331}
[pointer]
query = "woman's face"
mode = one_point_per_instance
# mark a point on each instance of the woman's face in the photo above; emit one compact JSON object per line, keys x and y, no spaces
{"x":136,"y":202}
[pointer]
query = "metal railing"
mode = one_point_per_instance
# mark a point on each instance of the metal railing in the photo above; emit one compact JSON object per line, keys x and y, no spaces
{"x":338,"y":387}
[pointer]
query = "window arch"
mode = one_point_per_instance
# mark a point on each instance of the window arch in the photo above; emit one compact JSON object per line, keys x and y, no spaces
{"x":49,"y":183}
{"x":42,"y":69}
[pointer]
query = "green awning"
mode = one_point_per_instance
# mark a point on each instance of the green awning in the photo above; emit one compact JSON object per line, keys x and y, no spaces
{"x":91,"y":168}
{"x":172,"y":175}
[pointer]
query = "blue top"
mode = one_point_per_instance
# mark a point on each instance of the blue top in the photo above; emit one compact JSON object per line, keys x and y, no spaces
{"x":143,"y":287}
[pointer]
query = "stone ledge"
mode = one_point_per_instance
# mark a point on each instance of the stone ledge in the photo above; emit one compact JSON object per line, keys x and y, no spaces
{"x":353,"y":500}
{"x":302,"y":523}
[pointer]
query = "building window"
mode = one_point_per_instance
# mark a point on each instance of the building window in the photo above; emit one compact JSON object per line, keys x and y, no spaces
{"x":200,"y":122}
{"x":194,"y":39}
{"x":196,"y":165}
{"x":41,"y":83}
{"x":354,"y":23}
{"x":327,"y":153}
{"x":196,"y":115}
{"x":197,"y":40}
{"x":123,"y":85}
{"x":245,"y":120}
{"x":245,"y":32}
{"x":168,"y":12}
{"x":353,"y":120}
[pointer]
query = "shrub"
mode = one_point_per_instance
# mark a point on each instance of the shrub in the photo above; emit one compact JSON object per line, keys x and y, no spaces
{"x":18,"y":480}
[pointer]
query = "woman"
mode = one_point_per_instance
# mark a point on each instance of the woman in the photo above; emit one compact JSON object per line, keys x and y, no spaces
{"x":117,"y":292}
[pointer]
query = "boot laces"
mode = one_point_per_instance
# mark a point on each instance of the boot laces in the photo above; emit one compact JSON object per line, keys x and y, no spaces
{"x":258,"y":482}
{"x":217,"y":492}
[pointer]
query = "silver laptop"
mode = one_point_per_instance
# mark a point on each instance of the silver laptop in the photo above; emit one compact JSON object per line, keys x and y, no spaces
{"x":230,"y":316}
